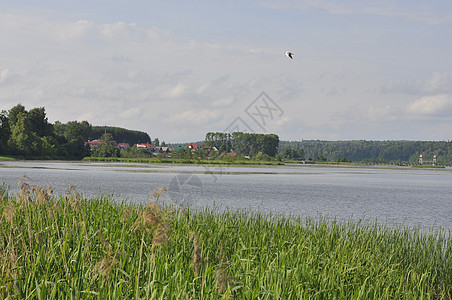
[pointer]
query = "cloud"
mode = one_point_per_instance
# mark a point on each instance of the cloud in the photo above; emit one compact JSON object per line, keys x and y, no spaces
{"x":130,"y":113}
{"x":3,"y":75}
{"x":178,"y":91}
{"x":438,"y":82}
{"x":85,"y":116}
{"x":432,"y":105}
{"x":432,"y":13}
{"x":204,"y":116}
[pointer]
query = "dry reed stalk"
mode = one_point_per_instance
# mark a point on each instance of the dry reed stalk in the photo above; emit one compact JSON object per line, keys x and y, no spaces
{"x":43,"y":195}
{"x":197,"y":259}
{"x":160,"y":236}
{"x":24,"y":186}
{"x":107,"y":264}
{"x":157,"y":193}
{"x":221,"y":273}
{"x":9,"y":212}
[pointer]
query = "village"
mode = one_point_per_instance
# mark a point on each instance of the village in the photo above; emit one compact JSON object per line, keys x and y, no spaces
{"x":161,"y":151}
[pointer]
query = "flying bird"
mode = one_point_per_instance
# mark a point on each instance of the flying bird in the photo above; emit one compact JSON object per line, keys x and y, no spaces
{"x":289,"y":54}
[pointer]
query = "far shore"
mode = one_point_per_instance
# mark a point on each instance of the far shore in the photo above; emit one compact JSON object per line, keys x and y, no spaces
{"x":231,"y":163}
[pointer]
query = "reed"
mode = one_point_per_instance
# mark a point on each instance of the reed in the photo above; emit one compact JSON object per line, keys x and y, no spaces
{"x":68,"y":246}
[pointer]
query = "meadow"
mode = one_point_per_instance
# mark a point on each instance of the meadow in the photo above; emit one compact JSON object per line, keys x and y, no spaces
{"x":71,"y":247}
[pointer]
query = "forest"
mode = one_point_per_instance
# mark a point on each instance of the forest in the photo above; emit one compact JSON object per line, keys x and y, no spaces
{"x":247,"y":144}
{"x":30,"y":134}
{"x":373,"y":151}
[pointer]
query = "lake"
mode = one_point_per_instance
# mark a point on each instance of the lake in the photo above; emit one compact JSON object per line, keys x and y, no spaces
{"x":389,"y":195}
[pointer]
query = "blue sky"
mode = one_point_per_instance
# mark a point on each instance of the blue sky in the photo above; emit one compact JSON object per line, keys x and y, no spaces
{"x":361,"y":69}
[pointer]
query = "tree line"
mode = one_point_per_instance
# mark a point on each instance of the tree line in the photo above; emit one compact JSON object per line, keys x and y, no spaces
{"x":121,"y":135}
{"x":247,"y":144}
{"x":29,"y":133}
{"x":373,"y":151}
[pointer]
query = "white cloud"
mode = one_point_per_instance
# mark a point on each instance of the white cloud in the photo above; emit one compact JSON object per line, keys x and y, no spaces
{"x":85,"y":116}
{"x":178,"y":91}
{"x":188,"y":117}
{"x":432,"y":13}
{"x":130,"y":113}
{"x":431,"y":105}
{"x":437,"y":82}
{"x":3,"y":75}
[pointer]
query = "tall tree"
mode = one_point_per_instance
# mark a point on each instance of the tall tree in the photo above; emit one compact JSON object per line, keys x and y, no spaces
{"x":23,"y":140}
{"x":107,"y":148}
{"x":5,"y":132}
{"x":14,"y":112}
{"x":39,"y":122}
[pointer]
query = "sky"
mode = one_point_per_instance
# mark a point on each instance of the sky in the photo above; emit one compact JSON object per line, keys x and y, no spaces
{"x":372,"y":70}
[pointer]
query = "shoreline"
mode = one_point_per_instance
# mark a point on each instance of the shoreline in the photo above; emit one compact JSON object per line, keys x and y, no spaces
{"x":242,"y":163}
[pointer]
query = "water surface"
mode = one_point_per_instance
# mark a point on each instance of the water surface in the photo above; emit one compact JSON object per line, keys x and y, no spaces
{"x":389,"y":195}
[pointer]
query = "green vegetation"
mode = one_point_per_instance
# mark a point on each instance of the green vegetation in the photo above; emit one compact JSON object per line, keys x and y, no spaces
{"x":72,"y":247}
{"x":120,"y":135}
{"x":427,"y":167}
{"x":401,"y":152}
{"x":6,"y":158}
{"x":107,"y":148}
{"x":247,"y":144}
{"x":28,"y":134}
{"x":183,"y":161}
{"x":25,"y":132}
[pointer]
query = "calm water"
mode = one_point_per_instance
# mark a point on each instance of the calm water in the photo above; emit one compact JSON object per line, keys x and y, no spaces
{"x":411,"y":197}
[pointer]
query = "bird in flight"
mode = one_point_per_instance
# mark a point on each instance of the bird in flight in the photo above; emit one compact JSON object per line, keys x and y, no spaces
{"x":289,"y":54}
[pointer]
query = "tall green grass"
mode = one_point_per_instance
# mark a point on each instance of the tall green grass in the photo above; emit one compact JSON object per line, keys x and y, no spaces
{"x":67,"y":246}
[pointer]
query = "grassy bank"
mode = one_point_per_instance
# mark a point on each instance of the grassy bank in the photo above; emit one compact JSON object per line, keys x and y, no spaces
{"x":6,"y":158}
{"x":71,"y":247}
{"x":428,"y":167}
{"x":181,"y":161}
{"x":41,"y":157}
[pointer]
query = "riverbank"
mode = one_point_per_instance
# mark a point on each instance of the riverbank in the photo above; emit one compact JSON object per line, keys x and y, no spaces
{"x":231,"y":162}
{"x":183,"y":161}
{"x":57,"y":247}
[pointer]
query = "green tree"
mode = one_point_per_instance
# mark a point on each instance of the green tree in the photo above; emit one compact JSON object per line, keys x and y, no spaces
{"x":13,"y":114}
{"x":72,"y":137}
{"x":39,"y":122}
{"x":120,"y":135}
{"x":5,"y":132}
{"x":134,"y":152}
{"x":107,"y":148}
{"x":23,"y":140}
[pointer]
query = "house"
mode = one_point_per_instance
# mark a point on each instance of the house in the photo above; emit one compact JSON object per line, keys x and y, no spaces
{"x":122,"y":146}
{"x":208,"y":148}
{"x":232,"y":154}
{"x":93,"y":144}
{"x":149,"y":147}
{"x":192,"y":146}
{"x":164,"y":150}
